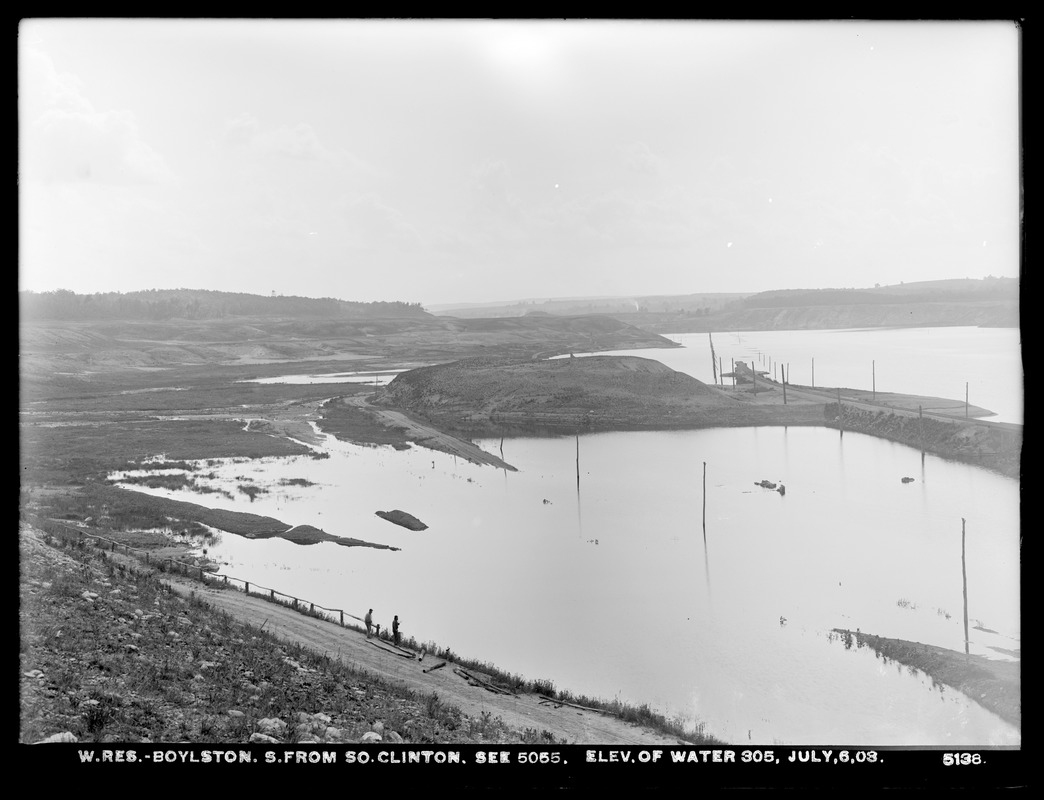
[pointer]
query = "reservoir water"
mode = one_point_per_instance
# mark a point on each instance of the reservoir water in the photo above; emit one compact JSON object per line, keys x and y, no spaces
{"x":617,"y":590}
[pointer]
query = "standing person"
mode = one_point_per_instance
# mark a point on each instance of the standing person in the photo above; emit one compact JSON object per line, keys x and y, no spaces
{"x":369,"y":622}
{"x":395,"y":629}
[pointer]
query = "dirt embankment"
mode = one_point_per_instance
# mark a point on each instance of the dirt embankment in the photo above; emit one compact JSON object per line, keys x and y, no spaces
{"x":995,"y":685}
{"x":991,"y":445}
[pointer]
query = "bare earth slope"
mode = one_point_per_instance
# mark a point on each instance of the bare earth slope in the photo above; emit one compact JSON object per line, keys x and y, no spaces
{"x":575,"y":390}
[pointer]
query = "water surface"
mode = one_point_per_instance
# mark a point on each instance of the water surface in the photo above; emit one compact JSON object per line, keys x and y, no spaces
{"x":617,"y":592}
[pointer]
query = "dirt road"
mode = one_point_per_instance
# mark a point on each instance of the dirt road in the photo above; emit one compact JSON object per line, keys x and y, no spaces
{"x":567,"y":724}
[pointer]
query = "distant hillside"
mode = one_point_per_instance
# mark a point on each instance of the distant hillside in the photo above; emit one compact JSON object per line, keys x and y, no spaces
{"x":199,"y":304}
{"x":947,"y":291}
{"x":52,"y":348}
{"x":701,"y":303}
{"x":960,"y":301}
{"x":990,"y":302}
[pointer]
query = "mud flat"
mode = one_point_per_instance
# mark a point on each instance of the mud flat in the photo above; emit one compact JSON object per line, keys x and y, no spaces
{"x":355,"y":419}
{"x":403,"y":519}
{"x":136,"y":509}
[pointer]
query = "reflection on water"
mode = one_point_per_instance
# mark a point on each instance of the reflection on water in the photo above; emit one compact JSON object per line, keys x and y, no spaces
{"x":501,"y":575}
{"x":372,"y":378}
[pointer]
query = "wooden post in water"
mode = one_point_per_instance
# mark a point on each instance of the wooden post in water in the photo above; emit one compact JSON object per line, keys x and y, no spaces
{"x":784,"y":387}
{"x":964,"y":578}
{"x":578,"y":462}
{"x":840,"y":416}
{"x":714,"y":361}
{"x":704,"y":499}
{"x":920,"y":428}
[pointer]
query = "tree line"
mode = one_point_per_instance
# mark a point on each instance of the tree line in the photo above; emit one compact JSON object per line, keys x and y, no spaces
{"x":167,"y":304}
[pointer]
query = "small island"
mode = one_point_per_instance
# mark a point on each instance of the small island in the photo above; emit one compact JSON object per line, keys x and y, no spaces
{"x":403,"y":519}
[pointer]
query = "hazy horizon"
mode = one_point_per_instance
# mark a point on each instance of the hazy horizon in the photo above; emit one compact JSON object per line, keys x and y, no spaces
{"x":454,"y":162}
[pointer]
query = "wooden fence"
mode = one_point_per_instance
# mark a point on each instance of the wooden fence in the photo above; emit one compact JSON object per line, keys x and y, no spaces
{"x":196,"y":571}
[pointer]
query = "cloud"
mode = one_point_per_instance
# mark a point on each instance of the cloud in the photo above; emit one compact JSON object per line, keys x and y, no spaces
{"x":492,"y":187}
{"x":638,"y":156}
{"x":299,"y":142}
{"x":619,"y":219}
{"x":372,"y":224}
{"x":65,"y":139}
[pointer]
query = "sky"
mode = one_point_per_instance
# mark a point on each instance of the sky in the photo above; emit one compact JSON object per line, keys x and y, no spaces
{"x":470,"y":161}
